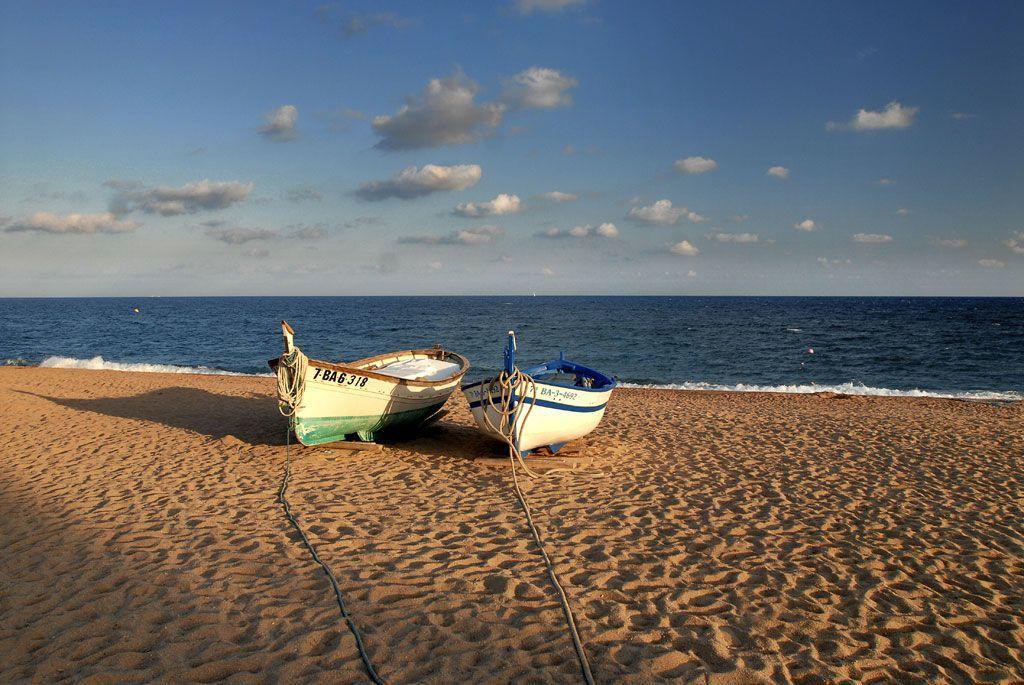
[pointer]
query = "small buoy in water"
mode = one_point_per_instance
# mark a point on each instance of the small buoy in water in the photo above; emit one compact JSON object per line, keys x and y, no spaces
{"x":810,"y":350}
{"x":135,"y":309}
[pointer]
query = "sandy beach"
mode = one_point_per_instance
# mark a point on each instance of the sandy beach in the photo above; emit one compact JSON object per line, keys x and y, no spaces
{"x":732,"y":537}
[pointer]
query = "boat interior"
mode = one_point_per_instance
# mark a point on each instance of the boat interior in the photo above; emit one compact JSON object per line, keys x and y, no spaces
{"x":569,"y":374}
{"x":420,"y":367}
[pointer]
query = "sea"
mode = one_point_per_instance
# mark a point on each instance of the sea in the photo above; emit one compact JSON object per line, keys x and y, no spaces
{"x":948,"y":347}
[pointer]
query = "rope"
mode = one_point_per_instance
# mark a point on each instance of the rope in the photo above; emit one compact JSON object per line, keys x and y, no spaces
{"x":518,"y":384}
{"x":291,"y":381}
{"x":281,"y":497}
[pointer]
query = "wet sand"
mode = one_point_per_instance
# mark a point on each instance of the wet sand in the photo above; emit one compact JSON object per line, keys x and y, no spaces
{"x":732,"y":538}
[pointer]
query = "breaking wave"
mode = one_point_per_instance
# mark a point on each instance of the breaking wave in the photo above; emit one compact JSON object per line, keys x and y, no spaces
{"x":850,"y":388}
{"x":101,"y":364}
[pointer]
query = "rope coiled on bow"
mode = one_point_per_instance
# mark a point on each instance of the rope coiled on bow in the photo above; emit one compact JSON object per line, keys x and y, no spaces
{"x":291,"y":381}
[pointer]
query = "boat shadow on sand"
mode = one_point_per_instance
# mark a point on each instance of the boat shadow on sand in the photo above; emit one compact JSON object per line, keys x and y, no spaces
{"x":251,"y":418}
{"x":254,"y":419}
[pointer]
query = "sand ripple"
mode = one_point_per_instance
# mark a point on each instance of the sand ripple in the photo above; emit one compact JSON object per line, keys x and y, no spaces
{"x":735,"y":538}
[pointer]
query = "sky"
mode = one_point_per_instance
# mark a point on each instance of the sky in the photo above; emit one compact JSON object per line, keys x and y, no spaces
{"x":548,"y":146}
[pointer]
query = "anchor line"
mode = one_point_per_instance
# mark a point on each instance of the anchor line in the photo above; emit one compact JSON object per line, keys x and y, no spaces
{"x":283,"y":500}
{"x":520,"y":384}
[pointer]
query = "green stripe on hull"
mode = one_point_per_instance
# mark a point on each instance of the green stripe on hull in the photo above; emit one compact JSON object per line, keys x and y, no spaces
{"x":317,"y":431}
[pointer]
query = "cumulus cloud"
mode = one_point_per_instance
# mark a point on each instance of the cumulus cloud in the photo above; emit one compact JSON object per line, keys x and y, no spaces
{"x":445,"y":113}
{"x":303,"y":194}
{"x":871,"y":238}
{"x":806,"y":225}
{"x":540,"y":88}
{"x":358,"y":23}
{"x":240,"y":236}
{"x":903,"y":211}
{"x":502,"y":204}
{"x":280,"y":123}
{"x":663,"y":213}
{"x":683,"y":247}
{"x":558,"y":196}
{"x":304,"y":232}
{"x":361,"y":221}
{"x":190,"y":198}
{"x":47,"y":222}
{"x":734,"y":237}
{"x":481,"y":235}
{"x":548,"y":6}
{"x":605,"y":230}
{"x":991,"y":263}
{"x":778,"y":172}
{"x":951,"y":243}
{"x":695,"y":165}
{"x":894,"y":116}
{"x":414,"y":182}
{"x":1016,"y":243}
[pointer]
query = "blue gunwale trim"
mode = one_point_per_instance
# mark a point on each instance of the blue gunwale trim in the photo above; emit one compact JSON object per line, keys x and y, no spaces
{"x":541,"y":381}
{"x":550,"y":405}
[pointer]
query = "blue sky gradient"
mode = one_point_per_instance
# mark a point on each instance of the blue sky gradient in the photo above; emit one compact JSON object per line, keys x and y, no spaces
{"x":928,"y":201}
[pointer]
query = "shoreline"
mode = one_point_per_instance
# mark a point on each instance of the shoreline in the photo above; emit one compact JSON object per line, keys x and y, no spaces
{"x":742,"y":536}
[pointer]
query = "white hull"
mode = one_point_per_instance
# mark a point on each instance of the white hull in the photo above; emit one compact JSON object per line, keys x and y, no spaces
{"x":560,"y":414}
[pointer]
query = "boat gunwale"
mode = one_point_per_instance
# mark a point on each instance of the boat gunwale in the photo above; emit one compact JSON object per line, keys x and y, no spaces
{"x":351,"y":367}
{"x":541,"y":381}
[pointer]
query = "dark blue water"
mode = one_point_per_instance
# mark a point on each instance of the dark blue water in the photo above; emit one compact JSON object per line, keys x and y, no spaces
{"x":942,"y":345}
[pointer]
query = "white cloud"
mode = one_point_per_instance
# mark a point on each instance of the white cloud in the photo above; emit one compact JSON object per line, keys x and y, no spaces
{"x":806,"y":225}
{"x":445,"y":113}
{"x":557,"y":196}
{"x":303,"y":194}
{"x":691,"y":274}
{"x":991,"y":263}
{"x":481,"y":235}
{"x":871,"y":238}
{"x":778,"y":172}
{"x":47,"y":222}
{"x":825,"y":261}
{"x":1016,"y":243}
{"x":894,"y":116}
{"x":538,"y":87}
{"x":303,"y":232}
{"x":960,"y":116}
{"x":695,"y":165}
{"x":903,"y":211}
{"x":416,"y":182}
{"x":951,"y":243}
{"x":605,"y":230}
{"x":886,"y":182}
{"x":549,"y":6}
{"x":502,"y":204}
{"x":240,"y":236}
{"x":734,"y":237}
{"x":190,"y":198}
{"x":683,"y":247}
{"x":280,"y":123}
{"x":663,"y":213}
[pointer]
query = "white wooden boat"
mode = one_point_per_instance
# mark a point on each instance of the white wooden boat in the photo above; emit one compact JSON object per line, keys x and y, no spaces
{"x":567,"y":403}
{"x":397,"y":390}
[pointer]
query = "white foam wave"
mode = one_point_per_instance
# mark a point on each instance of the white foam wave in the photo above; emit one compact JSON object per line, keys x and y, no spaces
{"x":101,"y":364}
{"x":842,"y":388}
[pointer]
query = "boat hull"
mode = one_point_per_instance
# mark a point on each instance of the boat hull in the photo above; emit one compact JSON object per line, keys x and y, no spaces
{"x":337,"y":404}
{"x":558,"y":415}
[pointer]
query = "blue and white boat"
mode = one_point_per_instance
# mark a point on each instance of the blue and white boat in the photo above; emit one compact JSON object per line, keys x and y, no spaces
{"x":560,"y":401}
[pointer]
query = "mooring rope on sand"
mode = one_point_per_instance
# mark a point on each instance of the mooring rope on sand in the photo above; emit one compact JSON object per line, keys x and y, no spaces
{"x":291,"y":384}
{"x":519,"y":384}
{"x":283,"y":499}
